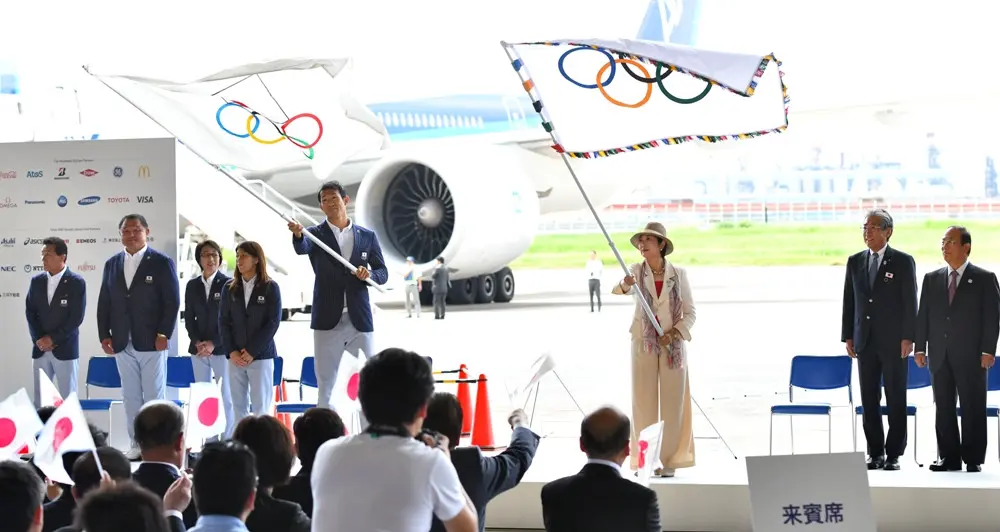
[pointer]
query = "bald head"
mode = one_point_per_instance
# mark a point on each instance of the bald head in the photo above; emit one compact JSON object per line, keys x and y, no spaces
{"x":604,"y":434}
{"x":158,"y":428}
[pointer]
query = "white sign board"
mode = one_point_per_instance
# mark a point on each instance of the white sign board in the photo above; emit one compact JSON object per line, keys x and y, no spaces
{"x":821,"y":491}
{"x":77,"y":191}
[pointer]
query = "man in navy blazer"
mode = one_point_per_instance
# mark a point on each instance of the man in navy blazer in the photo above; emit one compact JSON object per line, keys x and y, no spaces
{"x":202,"y":301}
{"x":54,"y":307}
{"x":337,"y":291}
{"x":136,"y":315}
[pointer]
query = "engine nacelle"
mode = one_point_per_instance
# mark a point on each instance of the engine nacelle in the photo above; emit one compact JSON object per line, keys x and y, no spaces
{"x":474,"y":207}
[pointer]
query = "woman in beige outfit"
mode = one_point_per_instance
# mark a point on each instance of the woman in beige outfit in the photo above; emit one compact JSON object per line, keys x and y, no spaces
{"x":660,"y":386}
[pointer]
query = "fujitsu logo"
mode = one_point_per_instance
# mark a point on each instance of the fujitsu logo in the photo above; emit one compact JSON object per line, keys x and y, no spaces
{"x":9,"y":174}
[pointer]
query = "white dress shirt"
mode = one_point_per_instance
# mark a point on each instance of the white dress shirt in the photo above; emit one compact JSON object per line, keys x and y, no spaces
{"x":132,"y":264}
{"x":208,"y":284}
{"x":53,"y":283}
{"x":247,"y":289}
{"x":881,"y":257}
{"x":595,"y":269}
{"x":345,"y":240}
{"x":609,"y":463}
{"x":961,"y":272}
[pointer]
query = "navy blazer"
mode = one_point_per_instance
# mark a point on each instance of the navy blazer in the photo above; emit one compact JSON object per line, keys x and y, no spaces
{"x":333,"y":279}
{"x":201,"y":315}
{"x":60,"y":319}
{"x":148,"y":308}
{"x":251,"y":327}
{"x":879,"y":317}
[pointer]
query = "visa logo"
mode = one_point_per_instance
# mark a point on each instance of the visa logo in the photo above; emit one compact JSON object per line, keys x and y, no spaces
{"x":35,"y":173}
{"x":144,"y":199}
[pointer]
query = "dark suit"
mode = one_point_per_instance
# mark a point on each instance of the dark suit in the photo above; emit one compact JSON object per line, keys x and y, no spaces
{"x":270,"y":514}
{"x":485,"y":477}
{"x":955,"y":336}
{"x":442,"y":283}
{"x":60,"y":512}
{"x":334,"y":281}
{"x":877,"y":318}
{"x":598,"y":499}
{"x":60,"y":320}
{"x":174,"y":525}
{"x":157,"y":478}
{"x":252,"y":327}
{"x":297,"y":490}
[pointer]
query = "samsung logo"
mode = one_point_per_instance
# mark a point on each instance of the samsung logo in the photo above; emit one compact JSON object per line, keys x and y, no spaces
{"x":89,"y":200}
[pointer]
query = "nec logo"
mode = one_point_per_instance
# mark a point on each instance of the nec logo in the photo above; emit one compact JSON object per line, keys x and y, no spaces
{"x":89,"y":200}
{"x":7,"y":269}
{"x":144,"y":199}
{"x":86,"y":267}
{"x":86,"y":240}
{"x":119,"y":199}
{"x":35,"y":173}
{"x":10,"y":174}
{"x":33,"y":241}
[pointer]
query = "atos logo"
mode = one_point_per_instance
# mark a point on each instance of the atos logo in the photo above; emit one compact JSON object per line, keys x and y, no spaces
{"x":86,"y":240}
{"x":7,"y":269}
{"x":62,"y":201}
{"x":61,"y":174}
{"x":35,"y":173}
{"x":34,"y":241}
{"x":34,"y":202}
{"x":8,"y":242}
{"x":89,"y":173}
{"x":144,"y":199}
{"x":7,"y":203}
{"x":10,"y":174}
{"x":119,"y":199}
{"x":86,"y":267}
{"x":89,"y":200}
{"x":118,"y":171}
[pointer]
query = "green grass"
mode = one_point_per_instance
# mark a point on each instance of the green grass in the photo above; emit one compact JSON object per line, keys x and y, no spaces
{"x":761,"y":245}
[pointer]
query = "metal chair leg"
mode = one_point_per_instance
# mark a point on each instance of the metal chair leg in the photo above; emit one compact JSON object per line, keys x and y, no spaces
{"x":770,"y":440}
{"x":854,"y":429}
{"x":916,"y":440}
{"x":829,"y":433}
{"x":791,"y":432}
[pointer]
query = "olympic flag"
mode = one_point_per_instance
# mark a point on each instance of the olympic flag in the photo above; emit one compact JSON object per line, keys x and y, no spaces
{"x":262,"y":116}
{"x":604,"y":97}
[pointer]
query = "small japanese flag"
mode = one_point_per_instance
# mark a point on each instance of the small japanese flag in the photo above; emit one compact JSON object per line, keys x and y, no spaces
{"x":206,"y":417}
{"x":19,"y":423}
{"x":345,"y":390}
{"x":649,"y":451}
{"x":67,"y":430}
{"x":47,"y":391}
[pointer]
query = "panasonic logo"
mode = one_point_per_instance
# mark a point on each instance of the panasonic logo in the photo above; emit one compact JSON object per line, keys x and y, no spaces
{"x":34,"y":202}
{"x":89,"y":200}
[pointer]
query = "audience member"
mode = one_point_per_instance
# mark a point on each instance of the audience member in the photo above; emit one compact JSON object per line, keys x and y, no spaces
{"x":123,"y":506}
{"x":59,"y":512}
{"x":598,"y":498}
{"x":412,"y":481}
{"x":225,"y":487}
{"x":483,"y":477}
{"x":313,"y":428}
{"x":159,"y":433}
{"x":86,"y":476}
{"x":20,"y":497}
{"x":272,"y":447}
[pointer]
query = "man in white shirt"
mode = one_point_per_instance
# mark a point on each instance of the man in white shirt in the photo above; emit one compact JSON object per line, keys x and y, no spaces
{"x":406,"y":481}
{"x":412,"y":286}
{"x":595,"y":269}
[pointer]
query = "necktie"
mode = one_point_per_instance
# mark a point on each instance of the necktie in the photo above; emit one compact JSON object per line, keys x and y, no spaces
{"x":872,"y":270}
{"x":952,"y":286}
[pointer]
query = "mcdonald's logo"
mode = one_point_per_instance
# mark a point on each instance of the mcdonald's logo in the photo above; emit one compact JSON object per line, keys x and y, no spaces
{"x":144,"y":171}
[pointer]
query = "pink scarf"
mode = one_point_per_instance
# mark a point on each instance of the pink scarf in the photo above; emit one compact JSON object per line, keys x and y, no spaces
{"x":675,"y":350}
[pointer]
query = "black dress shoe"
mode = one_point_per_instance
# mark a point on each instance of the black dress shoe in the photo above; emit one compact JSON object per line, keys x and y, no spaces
{"x":891,"y":464}
{"x":973,"y":468}
{"x":945,"y":465}
{"x":876,"y":462}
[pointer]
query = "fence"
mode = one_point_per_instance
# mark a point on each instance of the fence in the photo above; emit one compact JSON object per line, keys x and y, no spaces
{"x":626,"y":217}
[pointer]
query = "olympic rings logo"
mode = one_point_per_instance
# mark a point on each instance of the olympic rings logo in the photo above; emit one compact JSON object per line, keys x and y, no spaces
{"x":254,"y":121}
{"x":625,"y":62}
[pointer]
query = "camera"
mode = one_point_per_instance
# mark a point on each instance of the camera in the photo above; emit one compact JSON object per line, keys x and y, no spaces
{"x":436,"y":436}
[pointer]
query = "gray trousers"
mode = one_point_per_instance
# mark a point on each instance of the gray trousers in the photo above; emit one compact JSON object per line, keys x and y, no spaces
{"x":439,"y":304}
{"x":330,"y":347}
{"x":412,"y":299}
{"x":62,"y":373}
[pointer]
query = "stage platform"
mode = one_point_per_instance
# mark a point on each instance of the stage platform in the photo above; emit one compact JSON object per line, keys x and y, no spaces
{"x":714,"y":495}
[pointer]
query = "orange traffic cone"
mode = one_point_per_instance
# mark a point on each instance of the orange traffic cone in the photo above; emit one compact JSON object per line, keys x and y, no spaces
{"x":465,"y":400}
{"x":482,"y":429}
{"x":281,"y":394}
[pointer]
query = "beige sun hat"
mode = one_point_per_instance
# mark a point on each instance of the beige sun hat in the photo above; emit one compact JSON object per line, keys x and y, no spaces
{"x":654,"y":229}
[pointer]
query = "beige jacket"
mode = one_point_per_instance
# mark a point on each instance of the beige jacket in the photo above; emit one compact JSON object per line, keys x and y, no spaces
{"x":661,"y":304}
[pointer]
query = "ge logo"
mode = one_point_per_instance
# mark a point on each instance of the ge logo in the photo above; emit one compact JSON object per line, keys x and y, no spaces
{"x":118,"y":171}
{"x":62,"y":201}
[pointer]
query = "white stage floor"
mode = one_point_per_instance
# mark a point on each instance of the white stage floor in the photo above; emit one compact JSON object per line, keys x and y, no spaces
{"x":714,"y":497}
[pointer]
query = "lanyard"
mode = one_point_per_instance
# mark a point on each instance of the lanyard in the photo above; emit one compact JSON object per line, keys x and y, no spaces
{"x":386,"y":430}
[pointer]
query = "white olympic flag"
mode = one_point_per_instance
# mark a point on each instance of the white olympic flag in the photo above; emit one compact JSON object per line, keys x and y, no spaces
{"x":77,"y":191}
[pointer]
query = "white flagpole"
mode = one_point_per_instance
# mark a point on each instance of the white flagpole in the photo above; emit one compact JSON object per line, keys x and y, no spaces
{"x":597,"y":217}
{"x":244,"y":186}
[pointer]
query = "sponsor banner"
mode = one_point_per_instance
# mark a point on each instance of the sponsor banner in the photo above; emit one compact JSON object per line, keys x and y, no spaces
{"x":77,"y":191}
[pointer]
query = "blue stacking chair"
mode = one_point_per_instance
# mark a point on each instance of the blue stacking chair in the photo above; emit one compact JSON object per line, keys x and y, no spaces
{"x":180,"y":374}
{"x":992,"y":385}
{"x":916,"y":377}
{"x":102,"y":372}
{"x":307,"y":377}
{"x":815,"y":373}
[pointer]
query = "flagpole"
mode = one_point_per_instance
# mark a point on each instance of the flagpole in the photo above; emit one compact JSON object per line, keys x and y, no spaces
{"x":611,"y":243}
{"x":244,"y":186}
